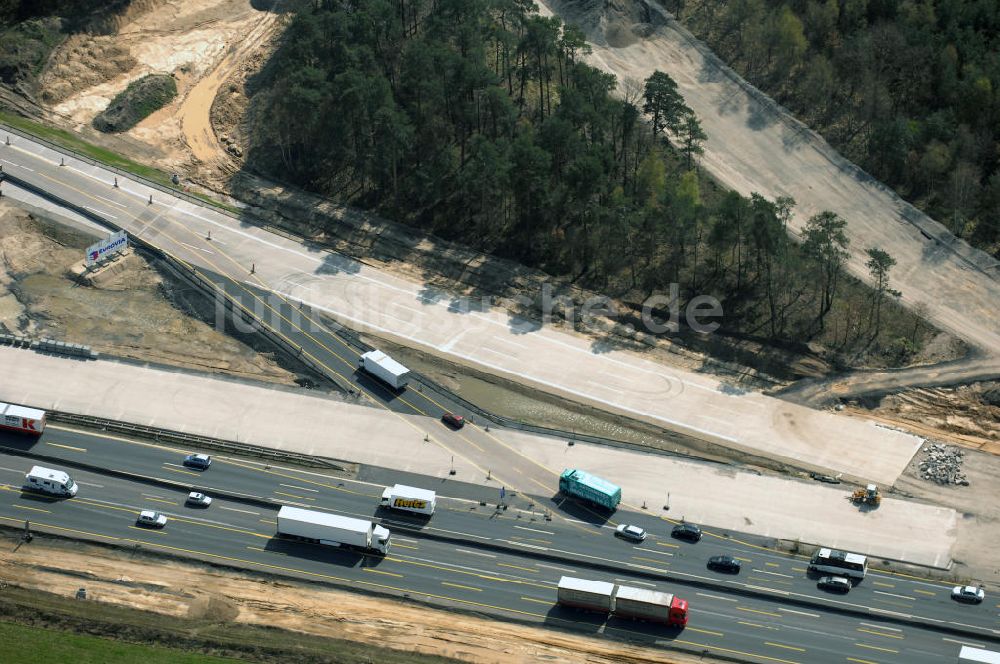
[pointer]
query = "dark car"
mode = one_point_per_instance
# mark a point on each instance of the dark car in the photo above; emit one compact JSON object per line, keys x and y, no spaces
{"x":840,"y":584}
{"x":686,"y":531}
{"x":453,"y":420}
{"x":725,"y":564}
{"x":200,"y":461}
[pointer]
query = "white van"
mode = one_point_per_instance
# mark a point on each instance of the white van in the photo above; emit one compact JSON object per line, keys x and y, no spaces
{"x":54,"y":482}
{"x":409,"y":499}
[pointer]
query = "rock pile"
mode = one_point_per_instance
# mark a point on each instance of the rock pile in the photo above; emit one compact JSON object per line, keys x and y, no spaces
{"x":943,"y":464}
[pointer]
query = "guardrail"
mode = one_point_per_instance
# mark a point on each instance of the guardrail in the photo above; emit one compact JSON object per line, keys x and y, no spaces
{"x":196,"y":441}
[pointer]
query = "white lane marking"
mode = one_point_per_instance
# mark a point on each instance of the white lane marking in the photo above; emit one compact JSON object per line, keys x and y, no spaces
{"x":96,"y":486}
{"x":455,"y":532}
{"x":556,"y":567}
{"x":526,"y":546}
{"x":300,"y":488}
{"x":724,"y":599}
{"x":882,"y":592}
{"x":113,"y":202}
{"x":396,"y":538}
{"x":106,"y":214}
{"x":662,"y":553}
{"x":18,"y":165}
{"x":191,"y":246}
{"x":641,"y":583}
{"x":508,"y":341}
{"x":19,"y":471}
{"x":769,"y":590}
{"x":883,"y":627}
{"x":963,"y":643}
{"x":535,"y":530}
{"x":476,"y":553}
{"x":801,"y":613}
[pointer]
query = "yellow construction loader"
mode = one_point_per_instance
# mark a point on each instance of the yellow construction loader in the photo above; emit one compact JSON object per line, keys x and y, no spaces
{"x":868,"y":496}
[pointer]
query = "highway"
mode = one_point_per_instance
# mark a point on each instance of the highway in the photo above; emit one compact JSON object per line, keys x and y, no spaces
{"x":499,"y":571}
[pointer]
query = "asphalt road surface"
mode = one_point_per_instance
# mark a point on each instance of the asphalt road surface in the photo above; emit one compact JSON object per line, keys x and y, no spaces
{"x":509,"y":567}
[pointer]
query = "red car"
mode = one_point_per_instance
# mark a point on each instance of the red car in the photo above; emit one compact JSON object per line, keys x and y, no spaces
{"x":453,"y":420}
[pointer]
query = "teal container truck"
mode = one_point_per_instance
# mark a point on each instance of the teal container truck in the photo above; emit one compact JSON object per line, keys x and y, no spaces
{"x":582,"y":485}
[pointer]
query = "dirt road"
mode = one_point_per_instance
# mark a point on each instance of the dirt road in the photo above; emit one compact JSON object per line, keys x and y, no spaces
{"x":754,"y":146}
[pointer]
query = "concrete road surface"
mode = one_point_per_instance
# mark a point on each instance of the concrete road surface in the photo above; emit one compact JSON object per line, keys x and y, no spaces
{"x":475,"y":334}
{"x":289,"y":420}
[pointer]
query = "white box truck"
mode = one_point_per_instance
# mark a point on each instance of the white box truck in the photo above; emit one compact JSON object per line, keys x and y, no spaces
{"x":386,"y":369}
{"x":52,"y":482}
{"x":332,"y":530}
{"x":24,"y":420}
{"x":584,"y":594}
{"x":409,"y":499}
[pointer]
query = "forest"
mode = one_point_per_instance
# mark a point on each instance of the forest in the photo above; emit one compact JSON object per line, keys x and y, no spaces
{"x":478,"y":121}
{"x":907,"y":89}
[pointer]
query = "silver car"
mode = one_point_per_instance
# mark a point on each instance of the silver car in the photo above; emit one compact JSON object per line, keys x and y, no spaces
{"x":151,"y":519}
{"x":634,"y":533}
{"x":198,"y":499}
{"x":970,"y":594}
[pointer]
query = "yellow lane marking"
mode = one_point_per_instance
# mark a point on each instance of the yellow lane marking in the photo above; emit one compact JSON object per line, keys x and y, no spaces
{"x":161,"y":500}
{"x":397,"y":545}
{"x":799,"y":569}
{"x":863,"y":645}
{"x":175,"y":518}
{"x":741,"y":653}
{"x":290,"y":495}
{"x":526,"y":569}
{"x":33,"y":509}
{"x":670,"y":544}
{"x":256,"y":548}
{"x":273,"y":522}
{"x":750,"y":624}
{"x":746,"y":560}
{"x":924,"y":592}
{"x":68,"y":447}
{"x":183,"y":472}
{"x":452,"y":570}
{"x":378,"y":571}
{"x":888,"y":636}
{"x":860,"y":661}
{"x":148,"y":530}
{"x":703,"y":631}
{"x":772,"y":564}
{"x":658,"y":561}
{"x":763,"y":613}
{"x":537,"y":601}
{"x":459,"y":585}
{"x":782,"y":645}
{"x":885,"y":585}
{"x":69,"y":530}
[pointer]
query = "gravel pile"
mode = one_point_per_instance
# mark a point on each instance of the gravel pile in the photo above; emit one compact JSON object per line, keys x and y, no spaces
{"x":943,"y":464}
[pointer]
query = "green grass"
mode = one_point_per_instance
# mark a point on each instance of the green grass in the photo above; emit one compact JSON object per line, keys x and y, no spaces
{"x":73,"y":142}
{"x":30,"y":645}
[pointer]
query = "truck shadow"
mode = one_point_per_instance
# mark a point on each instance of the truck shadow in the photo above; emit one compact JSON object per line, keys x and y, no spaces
{"x":375,"y":387}
{"x":391,"y":517}
{"x":21,"y":442}
{"x":587,"y":513}
{"x":321,"y":553}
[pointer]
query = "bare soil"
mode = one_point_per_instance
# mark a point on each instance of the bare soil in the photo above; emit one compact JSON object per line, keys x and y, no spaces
{"x":134,"y":312}
{"x":211,"y":598}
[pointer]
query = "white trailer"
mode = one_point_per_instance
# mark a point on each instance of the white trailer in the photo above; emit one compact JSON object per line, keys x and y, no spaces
{"x":24,"y":420}
{"x":52,"y":482}
{"x":584,"y":594}
{"x":332,"y":530}
{"x":409,"y":499}
{"x":968,"y":654}
{"x":386,"y":369}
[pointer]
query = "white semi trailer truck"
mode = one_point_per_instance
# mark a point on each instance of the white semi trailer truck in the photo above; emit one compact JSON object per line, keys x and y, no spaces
{"x":332,"y":530}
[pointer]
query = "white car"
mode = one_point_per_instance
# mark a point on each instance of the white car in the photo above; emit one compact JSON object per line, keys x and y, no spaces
{"x":198,"y":499}
{"x":970,"y":594}
{"x":634,"y":533}
{"x":151,"y":519}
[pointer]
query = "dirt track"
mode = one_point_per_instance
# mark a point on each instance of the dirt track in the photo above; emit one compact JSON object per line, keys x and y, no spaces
{"x":754,"y":146}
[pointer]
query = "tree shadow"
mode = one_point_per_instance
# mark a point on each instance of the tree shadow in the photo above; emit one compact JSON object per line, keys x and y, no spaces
{"x":732,"y":390}
{"x":430,"y":295}
{"x":336,"y":264}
